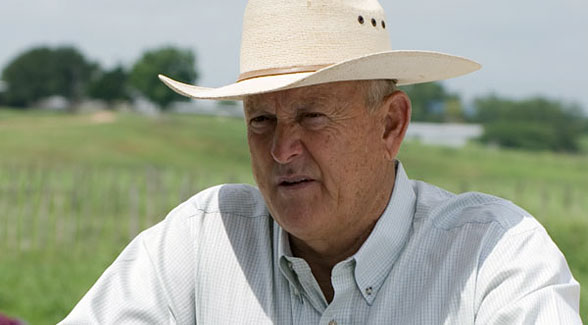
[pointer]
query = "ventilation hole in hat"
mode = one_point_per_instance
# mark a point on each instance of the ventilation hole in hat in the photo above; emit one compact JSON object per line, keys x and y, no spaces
{"x":383,"y":24}
{"x":360,"y":19}
{"x":374,"y":23}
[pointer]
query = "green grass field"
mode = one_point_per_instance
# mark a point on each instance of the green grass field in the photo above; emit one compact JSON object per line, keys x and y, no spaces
{"x":75,"y":188}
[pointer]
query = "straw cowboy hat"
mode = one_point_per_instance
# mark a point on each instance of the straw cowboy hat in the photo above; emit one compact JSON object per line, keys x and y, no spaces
{"x":295,"y":43}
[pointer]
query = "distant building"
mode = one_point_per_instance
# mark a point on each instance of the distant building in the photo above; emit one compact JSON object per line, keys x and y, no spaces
{"x":53,"y":103}
{"x":144,"y":106}
{"x":206,"y":107}
{"x":444,"y":134}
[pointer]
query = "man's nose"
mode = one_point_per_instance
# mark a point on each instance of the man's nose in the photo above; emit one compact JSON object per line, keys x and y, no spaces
{"x":286,"y":144}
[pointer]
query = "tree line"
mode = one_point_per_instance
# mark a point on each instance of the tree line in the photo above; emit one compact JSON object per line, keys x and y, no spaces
{"x":536,"y":123}
{"x":532,"y":123}
{"x":64,"y":71}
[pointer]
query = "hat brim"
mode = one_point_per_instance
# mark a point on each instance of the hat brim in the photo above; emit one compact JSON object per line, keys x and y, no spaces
{"x":407,"y":67}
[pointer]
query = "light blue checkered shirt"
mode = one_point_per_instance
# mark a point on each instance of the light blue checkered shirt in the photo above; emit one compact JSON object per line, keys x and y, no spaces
{"x":432,"y":258}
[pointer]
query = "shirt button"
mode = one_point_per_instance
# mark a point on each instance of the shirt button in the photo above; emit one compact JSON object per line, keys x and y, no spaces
{"x":333,"y":322}
{"x":369,"y":291}
{"x":290,"y":265}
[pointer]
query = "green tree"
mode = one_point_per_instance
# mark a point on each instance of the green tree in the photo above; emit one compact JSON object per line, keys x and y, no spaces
{"x":42,"y":72}
{"x":2,"y":100}
{"x":179,"y":64}
{"x":536,"y":123}
{"x":110,"y":86}
{"x":454,"y":110}
{"x":432,"y":103}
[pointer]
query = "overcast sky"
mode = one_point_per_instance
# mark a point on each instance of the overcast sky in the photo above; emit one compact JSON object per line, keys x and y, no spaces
{"x":526,"y":47}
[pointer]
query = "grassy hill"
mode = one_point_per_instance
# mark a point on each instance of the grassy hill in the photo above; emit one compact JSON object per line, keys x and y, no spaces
{"x":75,"y":188}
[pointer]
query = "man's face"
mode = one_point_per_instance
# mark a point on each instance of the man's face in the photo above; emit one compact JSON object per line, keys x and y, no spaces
{"x":318,"y":157}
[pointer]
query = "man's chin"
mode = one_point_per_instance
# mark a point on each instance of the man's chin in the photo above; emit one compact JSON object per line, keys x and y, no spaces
{"x":295,"y":216}
{"x":302,"y":227}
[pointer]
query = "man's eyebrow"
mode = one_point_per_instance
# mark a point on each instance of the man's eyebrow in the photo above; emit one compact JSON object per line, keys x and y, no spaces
{"x":252,"y":104}
{"x":334,"y":103}
{"x":311,"y":100}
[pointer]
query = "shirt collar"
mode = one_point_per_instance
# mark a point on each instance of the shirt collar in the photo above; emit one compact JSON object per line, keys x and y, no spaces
{"x":375,"y":258}
{"x":377,"y":255}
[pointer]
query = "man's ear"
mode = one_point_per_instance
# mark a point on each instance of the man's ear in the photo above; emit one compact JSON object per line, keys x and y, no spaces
{"x":396,"y":110}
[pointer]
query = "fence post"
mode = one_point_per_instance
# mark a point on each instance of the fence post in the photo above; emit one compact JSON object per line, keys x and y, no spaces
{"x":133,"y":211}
{"x":43,"y":214}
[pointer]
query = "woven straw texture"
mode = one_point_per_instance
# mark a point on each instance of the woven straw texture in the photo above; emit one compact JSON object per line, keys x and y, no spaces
{"x":294,"y":43}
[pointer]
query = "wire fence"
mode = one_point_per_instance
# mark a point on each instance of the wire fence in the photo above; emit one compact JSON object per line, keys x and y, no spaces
{"x":84,"y":210}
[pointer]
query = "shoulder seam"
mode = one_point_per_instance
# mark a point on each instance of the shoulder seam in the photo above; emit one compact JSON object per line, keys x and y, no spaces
{"x":495,"y":201}
{"x":227,"y":213}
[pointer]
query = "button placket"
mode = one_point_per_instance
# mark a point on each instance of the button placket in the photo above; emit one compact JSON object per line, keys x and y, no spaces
{"x":298,"y":295}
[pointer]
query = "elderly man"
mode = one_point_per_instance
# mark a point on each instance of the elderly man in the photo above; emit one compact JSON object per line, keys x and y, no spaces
{"x":335,"y":233}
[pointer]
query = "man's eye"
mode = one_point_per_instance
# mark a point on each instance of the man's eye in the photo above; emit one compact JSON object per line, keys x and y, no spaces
{"x":260,"y":121}
{"x":314,"y":120}
{"x":313,"y":115}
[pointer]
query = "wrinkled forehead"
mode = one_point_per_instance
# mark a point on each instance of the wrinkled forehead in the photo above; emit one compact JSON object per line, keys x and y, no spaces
{"x":329,"y":93}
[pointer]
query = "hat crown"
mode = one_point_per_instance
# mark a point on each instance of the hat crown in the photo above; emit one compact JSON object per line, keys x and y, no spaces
{"x":294,"y":34}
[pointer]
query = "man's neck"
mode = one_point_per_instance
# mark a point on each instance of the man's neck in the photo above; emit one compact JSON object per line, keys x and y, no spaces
{"x":323,"y":259}
{"x":323,"y":254}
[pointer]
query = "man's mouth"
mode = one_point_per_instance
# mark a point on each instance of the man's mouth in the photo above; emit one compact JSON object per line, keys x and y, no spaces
{"x":294,"y":181}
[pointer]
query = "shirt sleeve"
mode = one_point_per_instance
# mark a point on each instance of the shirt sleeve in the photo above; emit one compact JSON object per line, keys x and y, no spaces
{"x":149,"y":283}
{"x":525,"y":280}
